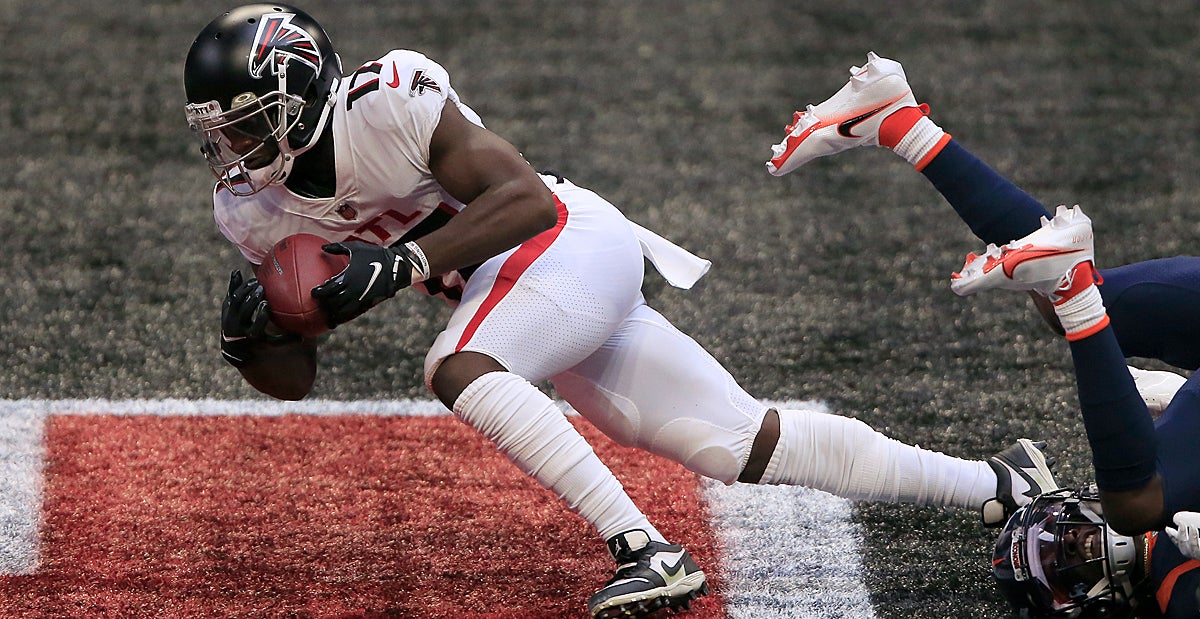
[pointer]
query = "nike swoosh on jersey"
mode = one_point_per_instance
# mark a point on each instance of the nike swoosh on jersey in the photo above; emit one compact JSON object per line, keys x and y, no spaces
{"x":395,"y":77}
{"x":1011,"y":259}
{"x":371,"y":282}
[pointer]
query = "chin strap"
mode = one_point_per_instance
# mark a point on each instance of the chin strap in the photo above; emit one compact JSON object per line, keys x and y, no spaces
{"x":287,"y":154}
{"x":327,"y":109}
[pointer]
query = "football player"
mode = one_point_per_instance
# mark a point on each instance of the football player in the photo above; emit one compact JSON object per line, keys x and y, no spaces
{"x":1147,"y":477}
{"x":392,"y":167}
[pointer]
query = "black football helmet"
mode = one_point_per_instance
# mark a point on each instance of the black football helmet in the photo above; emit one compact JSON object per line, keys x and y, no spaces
{"x":1057,"y":557}
{"x":260,"y":82}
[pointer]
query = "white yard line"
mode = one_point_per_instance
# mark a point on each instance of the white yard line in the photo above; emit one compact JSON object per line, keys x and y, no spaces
{"x":21,"y":461}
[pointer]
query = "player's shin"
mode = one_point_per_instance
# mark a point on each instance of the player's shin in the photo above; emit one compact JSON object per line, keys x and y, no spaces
{"x":846,"y":457}
{"x":532,"y":432}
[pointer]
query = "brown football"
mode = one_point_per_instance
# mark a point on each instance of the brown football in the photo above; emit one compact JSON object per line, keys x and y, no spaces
{"x":294,"y":266}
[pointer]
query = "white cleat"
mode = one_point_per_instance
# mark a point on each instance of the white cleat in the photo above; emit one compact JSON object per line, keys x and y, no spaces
{"x":848,"y":119}
{"x":1022,"y":473}
{"x":1037,"y":262}
{"x":1157,"y":388}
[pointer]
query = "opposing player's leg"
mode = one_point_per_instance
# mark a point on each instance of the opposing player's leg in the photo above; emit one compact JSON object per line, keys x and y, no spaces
{"x":877,"y":108}
{"x":654,"y":387}
{"x":1120,"y":431}
{"x":1152,"y":305}
{"x":850,"y":118}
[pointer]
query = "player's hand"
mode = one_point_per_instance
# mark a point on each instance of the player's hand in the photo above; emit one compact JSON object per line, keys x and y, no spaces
{"x":374,"y":275}
{"x":244,"y":317}
{"x":1187,"y":535}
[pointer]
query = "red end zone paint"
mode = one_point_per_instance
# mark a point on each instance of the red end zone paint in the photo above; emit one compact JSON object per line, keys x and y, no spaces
{"x":347,"y":516}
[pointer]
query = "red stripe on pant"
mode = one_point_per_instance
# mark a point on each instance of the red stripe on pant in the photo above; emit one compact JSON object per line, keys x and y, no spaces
{"x":511,"y":270}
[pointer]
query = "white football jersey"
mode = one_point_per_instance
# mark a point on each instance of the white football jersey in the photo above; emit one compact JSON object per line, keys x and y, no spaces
{"x":384,"y":118}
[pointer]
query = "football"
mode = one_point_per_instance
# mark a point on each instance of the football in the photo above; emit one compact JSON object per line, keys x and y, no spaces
{"x":293,"y":267}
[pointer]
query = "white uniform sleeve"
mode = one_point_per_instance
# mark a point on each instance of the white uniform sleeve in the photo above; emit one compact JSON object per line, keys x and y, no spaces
{"x":413,"y":92}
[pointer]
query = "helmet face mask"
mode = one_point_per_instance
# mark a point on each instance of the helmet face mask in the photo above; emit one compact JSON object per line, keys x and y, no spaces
{"x":239,"y":143}
{"x":260,"y":83}
{"x":1057,"y":557}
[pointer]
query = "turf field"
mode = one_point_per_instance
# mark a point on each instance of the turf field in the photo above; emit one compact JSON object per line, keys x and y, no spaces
{"x":829,"y":285}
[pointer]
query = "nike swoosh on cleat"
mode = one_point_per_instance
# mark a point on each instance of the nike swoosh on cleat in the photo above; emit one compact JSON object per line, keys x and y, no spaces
{"x":672,"y":571}
{"x":845,"y":126}
{"x":1010,"y":260}
{"x":378,"y":267}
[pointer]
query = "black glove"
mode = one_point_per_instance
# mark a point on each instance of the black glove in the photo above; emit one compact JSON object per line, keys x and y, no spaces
{"x":374,"y":275}
{"x":244,"y":316}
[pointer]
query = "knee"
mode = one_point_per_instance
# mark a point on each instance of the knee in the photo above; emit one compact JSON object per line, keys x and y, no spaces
{"x":457,"y":371}
{"x":762,"y":449}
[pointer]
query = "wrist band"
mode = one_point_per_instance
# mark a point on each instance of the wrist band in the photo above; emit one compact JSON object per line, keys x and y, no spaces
{"x":420,"y":267}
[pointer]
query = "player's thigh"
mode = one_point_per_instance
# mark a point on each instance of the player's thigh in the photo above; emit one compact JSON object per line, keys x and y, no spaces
{"x":653,"y":387}
{"x":1152,"y":305}
{"x":1177,"y":430}
{"x":550,"y":303}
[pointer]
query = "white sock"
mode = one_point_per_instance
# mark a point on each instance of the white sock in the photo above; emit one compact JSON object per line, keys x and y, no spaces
{"x":1082,"y":313}
{"x":919,"y":140}
{"x":533,"y":433}
{"x":846,"y":457}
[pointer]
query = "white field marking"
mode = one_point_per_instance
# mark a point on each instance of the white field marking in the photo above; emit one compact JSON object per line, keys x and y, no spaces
{"x":789,"y":552}
{"x":21,"y":459}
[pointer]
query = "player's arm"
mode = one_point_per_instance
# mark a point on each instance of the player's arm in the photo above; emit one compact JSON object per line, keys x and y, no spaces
{"x":283,"y":366}
{"x":1132,"y":512}
{"x":507,"y":203}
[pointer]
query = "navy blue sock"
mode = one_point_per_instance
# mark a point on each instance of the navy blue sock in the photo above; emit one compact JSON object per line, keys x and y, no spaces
{"x":996,"y":210}
{"x":1119,"y":429}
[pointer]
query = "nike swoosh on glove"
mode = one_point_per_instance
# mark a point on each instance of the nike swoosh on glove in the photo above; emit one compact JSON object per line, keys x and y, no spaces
{"x":1187,"y":534}
{"x":374,"y":275}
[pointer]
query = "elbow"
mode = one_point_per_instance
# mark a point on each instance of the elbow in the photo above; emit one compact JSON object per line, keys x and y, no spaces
{"x":547,"y":212}
{"x":541,"y":206}
{"x":1131,"y":525}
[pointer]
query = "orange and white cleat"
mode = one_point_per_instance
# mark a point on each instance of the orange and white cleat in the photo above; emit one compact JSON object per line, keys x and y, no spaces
{"x":1040,"y":261}
{"x":846,"y":120}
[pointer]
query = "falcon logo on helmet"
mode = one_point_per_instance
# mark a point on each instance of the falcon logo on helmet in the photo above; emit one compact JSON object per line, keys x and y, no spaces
{"x":278,"y":41}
